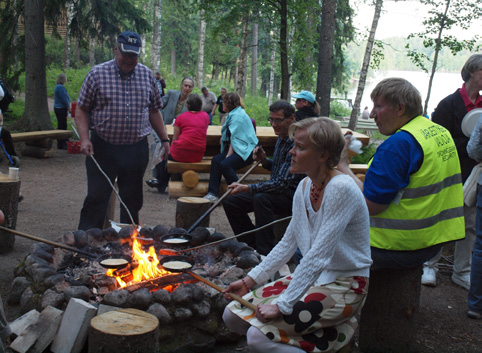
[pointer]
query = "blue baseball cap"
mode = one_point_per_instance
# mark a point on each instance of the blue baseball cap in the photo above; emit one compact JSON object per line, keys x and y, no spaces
{"x":129,"y":43}
{"x":306,"y":95}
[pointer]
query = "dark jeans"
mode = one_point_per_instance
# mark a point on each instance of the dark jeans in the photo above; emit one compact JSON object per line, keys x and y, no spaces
{"x":402,"y":259}
{"x":225,"y":166}
{"x":266,"y":207}
{"x":128,"y":164}
{"x":475,"y":291}
{"x":61,"y":114}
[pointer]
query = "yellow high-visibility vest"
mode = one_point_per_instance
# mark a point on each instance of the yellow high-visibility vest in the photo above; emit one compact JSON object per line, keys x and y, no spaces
{"x":429,"y":210}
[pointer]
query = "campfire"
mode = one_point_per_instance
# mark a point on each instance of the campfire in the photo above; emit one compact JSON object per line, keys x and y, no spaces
{"x":50,"y":277}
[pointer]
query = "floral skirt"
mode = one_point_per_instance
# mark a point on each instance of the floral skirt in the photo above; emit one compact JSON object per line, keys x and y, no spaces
{"x":322,"y":321}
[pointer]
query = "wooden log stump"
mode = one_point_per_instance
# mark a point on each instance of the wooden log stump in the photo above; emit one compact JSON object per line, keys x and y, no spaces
{"x":124,"y":330}
{"x":388,"y":318}
{"x":46,"y":143}
{"x":9,"y":191}
{"x":37,"y":152}
{"x":189,"y":210}
{"x":178,"y":189}
{"x":190,"y":178}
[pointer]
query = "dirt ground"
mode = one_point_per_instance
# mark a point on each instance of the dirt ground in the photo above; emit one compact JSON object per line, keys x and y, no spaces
{"x":54,"y":189}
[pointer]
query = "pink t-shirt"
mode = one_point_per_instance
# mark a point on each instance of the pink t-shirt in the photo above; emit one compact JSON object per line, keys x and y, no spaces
{"x":191,"y":143}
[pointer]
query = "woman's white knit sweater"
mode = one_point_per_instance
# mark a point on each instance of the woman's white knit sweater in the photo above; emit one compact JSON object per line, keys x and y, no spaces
{"x":334,"y":240}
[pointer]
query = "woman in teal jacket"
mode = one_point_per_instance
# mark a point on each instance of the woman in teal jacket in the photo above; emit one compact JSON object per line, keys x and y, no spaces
{"x":238,"y":139}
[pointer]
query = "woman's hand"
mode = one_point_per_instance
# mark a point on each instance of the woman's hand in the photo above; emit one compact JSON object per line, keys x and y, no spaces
{"x":237,"y":287}
{"x":344,"y":164}
{"x":266,"y":312}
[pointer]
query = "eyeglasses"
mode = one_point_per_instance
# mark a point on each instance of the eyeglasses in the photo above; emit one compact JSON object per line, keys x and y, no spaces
{"x":276,"y":121}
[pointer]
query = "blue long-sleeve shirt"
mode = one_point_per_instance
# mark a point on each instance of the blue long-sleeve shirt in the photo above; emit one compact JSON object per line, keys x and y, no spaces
{"x":61,"y":97}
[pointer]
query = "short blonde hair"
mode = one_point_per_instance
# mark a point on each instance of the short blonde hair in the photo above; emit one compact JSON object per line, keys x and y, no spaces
{"x":395,"y":91}
{"x":325,"y":136}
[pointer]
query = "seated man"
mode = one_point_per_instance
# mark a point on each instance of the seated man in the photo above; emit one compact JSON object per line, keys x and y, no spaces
{"x":413,"y":187}
{"x":270,"y":198}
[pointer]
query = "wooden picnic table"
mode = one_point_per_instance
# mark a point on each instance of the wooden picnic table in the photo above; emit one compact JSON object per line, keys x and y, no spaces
{"x":265,"y":134}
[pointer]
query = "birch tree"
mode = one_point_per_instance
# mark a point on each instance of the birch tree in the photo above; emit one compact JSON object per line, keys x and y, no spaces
{"x":365,"y":64}
{"x":200,"y":50}
{"x":156,"y":36}
{"x":254,"y":60}
{"x":242,"y":64}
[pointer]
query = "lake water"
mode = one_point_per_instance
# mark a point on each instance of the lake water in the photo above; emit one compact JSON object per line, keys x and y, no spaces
{"x":443,"y":84}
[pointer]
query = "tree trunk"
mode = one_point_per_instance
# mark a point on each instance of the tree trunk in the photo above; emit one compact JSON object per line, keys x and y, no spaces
{"x":283,"y":43}
{"x":77,"y":52}
{"x":36,"y":116}
{"x":91,"y":52}
{"x":438,"y":47}
{"x":156,"y":36}
{"x":271,"y":74}
{"x":364,"y":69}
{"x":173,"y":62}
{"x":240,"y":83}
{"x":325,"y":57}
{"x":254,"y":60}
{"x":67,"y":41}
{"x":200,"y":51}
{"x":9,"y":190}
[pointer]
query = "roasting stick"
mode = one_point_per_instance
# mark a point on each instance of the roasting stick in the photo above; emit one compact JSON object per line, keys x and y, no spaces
{"x":54,"y":244}
{"x":108,"y":180}
{"x":216,"y":204}
{"x":237,"y":235}
{"x":215,"y":286}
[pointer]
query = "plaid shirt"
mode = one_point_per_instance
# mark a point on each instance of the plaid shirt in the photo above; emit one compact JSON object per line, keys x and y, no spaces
{"x":281,"y":180}
{"x":119,"y":106}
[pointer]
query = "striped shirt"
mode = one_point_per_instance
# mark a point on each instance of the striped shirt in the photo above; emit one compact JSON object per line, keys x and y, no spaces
{"x":119,"y":106}
{"x":281,"y":179}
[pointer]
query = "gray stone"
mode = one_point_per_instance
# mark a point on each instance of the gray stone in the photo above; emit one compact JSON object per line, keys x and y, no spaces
{"x":116,"y":298}
{"x":110,"y":234}
{"x":20,"y":270}
{"x":54,"y":280}
{"x":216,"y":269}
{"x":197,"y":292}
{"x":42,"y":247}
{"x":52,"y":298}
{"x":182,"y":314}
{"x":161,"y":296}
{"x":219,"y":303}
{"x":19,"y":285}
{"x":32,"y":260}
{"x":201,"y":342}
{"x":247,"y":259}
{"x":44,"y":255}
{"x":68,"y":238}
{"x":159,"y":231}
{"x":181,"y":295}
{"x":95,"y":233}
{"x":201,"y":309}
{"x":241,"y":248}
{"x":81,"y":238}
{"x":80,"y":292}
{"x":40,"y":273}
{"x":29,"y":301}
{"x":159,"y":311}
{"x":140,"y":299}
{"x":232,"y":274}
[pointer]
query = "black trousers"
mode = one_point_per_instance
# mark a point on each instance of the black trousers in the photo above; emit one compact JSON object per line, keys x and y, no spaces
{"x":128,"y":164}
{"x":61,"y":114}
{"x":266,"y":206}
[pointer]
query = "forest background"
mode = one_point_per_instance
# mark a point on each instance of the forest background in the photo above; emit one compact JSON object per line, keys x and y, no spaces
{"x":274,"y":46}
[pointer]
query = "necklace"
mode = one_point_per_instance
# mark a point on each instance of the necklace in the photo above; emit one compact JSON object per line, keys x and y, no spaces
{"x":315,"y":192}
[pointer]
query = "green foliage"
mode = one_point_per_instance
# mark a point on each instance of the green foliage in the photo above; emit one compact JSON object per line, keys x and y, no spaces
{"x":366,"y":155}
{"x":339,"y":108}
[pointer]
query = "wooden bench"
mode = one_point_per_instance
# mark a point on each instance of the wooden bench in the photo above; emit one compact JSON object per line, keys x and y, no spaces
{"x":39,"y":143}
{"x":200,"y":188}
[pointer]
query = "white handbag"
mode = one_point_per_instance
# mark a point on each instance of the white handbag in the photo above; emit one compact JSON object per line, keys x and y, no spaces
{"x":470,"y":186}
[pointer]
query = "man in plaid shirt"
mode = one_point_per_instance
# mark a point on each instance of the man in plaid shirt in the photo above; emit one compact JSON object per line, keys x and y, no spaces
{"x":119,"y":105}
{"x":270,"y":198}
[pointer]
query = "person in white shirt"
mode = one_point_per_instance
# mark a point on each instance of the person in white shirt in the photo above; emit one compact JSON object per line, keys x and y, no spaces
{"x":312,"y":309}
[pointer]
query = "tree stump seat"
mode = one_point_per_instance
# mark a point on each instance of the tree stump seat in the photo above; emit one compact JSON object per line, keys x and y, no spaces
{"x":388,"y":317}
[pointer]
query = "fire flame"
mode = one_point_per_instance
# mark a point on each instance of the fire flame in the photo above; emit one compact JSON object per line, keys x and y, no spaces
{"x":147,"y":264}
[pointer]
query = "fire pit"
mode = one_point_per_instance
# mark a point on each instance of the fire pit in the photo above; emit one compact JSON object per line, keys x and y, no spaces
{"x":189,"y":311}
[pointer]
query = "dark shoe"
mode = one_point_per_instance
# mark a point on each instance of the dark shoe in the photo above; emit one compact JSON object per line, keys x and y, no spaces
{"x":153,"y":183}
{"x":474,"y":314}
{"x":161,"y":190}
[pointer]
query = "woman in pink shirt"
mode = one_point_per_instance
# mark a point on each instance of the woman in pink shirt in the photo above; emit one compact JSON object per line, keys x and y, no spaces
{"x":189,"y":140}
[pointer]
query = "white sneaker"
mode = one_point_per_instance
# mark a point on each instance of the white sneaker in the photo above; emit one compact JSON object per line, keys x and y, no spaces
{"x":461,"y":280}
{"x":429,"y":276}
{"x":211,"y":198}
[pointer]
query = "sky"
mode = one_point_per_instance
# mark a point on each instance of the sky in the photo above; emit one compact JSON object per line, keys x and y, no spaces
{"x":400,"y":19}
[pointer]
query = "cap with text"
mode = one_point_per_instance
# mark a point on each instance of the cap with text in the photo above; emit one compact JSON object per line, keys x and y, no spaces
{"x":129,"y":43}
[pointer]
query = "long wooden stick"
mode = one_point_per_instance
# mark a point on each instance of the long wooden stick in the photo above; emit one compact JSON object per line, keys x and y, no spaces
{"x":216,"y":204}
{"x":57,"y":245}
{"x":218,"y":288}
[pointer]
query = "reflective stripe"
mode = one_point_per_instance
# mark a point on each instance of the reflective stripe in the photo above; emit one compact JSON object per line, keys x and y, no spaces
{"x":415,"y":224}
{"x":432,"y":189}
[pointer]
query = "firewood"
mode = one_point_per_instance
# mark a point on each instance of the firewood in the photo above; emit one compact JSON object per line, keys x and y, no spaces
{"x":124,"y":330}
{"x":21,"y":324}
{"x":159,"y":282}
{"x":190,"y":178}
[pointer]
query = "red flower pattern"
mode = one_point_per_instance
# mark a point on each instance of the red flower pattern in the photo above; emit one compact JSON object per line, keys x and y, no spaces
{"x":275,"y":289}
{"x":358,"y":285}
